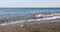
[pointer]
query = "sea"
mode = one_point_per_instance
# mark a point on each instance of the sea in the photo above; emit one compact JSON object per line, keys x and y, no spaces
{"x":16,"y":15}
{"x":26,"y":11}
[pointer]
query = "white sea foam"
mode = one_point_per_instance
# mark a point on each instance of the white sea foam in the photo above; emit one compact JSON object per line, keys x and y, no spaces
{"x":44,"y":18}
{"x":11,"y":22}
{"x":38,"y":15}
{"x":48,"y":18}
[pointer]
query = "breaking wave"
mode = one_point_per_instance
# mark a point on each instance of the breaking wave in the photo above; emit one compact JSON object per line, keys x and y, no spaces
{"x":35,"y":17}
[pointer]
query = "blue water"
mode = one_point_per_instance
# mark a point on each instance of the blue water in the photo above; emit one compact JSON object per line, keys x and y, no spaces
{"x":26,"y":11}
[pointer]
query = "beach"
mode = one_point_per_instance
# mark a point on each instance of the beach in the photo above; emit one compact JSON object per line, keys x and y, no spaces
{"x":50,"y":27}
{"x":30,"y":20}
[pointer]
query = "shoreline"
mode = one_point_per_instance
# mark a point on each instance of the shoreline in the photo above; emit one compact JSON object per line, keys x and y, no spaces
{"x":31,"y":22}
{"x":30,"y":19}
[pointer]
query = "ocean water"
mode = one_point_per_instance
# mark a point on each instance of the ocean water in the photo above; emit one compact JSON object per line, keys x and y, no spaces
{"x":26,"y":11}
{"x":14,"y":15}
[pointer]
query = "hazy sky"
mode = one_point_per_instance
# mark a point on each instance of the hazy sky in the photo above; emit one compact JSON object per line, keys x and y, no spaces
{"x":29,"y":3}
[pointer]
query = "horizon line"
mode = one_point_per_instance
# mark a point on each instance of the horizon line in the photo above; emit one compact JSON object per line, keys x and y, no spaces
{"x":29,"y":7}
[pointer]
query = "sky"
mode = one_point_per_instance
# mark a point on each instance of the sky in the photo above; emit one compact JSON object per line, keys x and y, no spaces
{"x":29,"y":3}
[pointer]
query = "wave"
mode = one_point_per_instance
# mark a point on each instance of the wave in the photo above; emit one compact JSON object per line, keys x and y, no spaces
{"x":37,"y":17}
